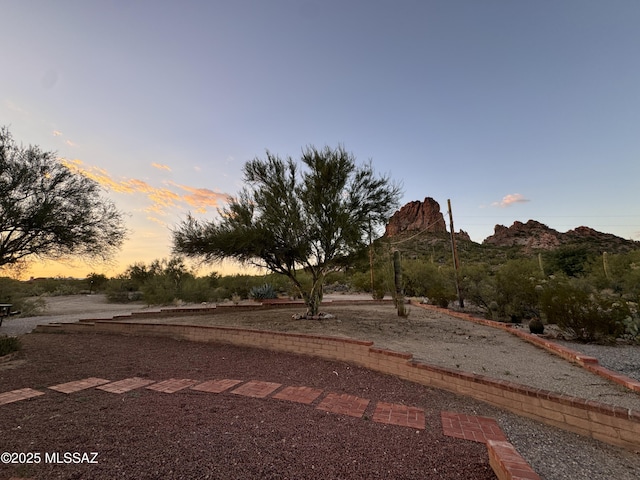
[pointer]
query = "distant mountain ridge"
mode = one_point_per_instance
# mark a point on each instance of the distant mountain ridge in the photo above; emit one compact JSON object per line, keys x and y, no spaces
{"x":426,"y":217}
{"x":534,"y":235}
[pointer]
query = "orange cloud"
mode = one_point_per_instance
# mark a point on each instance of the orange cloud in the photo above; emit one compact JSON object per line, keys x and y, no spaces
{"x":202,"y":197}
{"x":161,"y":198}
{"x":510,"y":199}
{"x":161,"y":167}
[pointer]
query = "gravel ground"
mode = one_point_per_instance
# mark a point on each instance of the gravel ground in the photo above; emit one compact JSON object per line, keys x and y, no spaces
{"x":189,"y":434}
{"x":621,"y":358}
{"x":435,"y":338}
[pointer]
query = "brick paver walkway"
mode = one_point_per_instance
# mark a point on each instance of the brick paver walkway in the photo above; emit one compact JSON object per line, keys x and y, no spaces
{"x":17,"y":395}
{"x":503,"y":457}
{"x":125,"y":385}
{"x":72,"y":387}
{"x":471,"y":427}
{"x":256,"y":389}
{"x":306,"y":395}
{"x":344,"y":404}
{"x":216,"y":386}
{"x":402,"y":415}
{"x":172,"y":385}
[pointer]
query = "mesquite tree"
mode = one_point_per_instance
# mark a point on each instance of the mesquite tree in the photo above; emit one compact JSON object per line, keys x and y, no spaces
{"x":290,"y":219}
{"x":47,"y":211}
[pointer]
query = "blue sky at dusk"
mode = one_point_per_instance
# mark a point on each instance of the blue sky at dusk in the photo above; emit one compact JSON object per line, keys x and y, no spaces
{"x":514,"y":110}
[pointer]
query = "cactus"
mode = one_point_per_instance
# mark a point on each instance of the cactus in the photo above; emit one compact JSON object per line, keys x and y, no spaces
{"x":397,"y":277}
{"x":536,"y":326}
{"x":263,"y":292}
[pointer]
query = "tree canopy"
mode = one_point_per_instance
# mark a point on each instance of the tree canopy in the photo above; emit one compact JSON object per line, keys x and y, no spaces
{"x":47,"y":211}
{"x":290,"y":219}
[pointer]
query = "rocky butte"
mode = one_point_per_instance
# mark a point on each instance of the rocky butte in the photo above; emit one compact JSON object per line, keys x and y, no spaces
{"x":534,"y":235}
{"x":417,"y":216}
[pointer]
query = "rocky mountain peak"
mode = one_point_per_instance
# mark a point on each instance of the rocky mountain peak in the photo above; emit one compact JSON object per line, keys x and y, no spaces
{"x":417,"y":216}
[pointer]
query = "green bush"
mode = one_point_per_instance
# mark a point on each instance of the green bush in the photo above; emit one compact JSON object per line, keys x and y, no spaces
{"x":577,"y":309}
{"x":422,"y":278}
{"x":9,"y":345}
{"x":122,"y":290}
{"x":516,"y":294}
{"x":29,"y":307}
{"x":478,"y":284}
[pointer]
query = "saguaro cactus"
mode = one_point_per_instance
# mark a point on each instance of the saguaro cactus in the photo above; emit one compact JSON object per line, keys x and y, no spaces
{"x":397,"y":278}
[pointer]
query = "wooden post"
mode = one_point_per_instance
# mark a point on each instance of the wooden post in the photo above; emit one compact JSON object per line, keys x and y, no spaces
{"x":454,"y":250}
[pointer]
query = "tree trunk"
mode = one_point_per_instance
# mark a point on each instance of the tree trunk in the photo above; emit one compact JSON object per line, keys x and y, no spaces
{"x":313,"y":299}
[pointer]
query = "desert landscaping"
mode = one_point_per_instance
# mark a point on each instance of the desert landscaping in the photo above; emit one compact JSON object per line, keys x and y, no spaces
{"x":289,"y":440}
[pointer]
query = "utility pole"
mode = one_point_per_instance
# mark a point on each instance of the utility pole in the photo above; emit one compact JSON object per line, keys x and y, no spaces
{"x":454,"y":250}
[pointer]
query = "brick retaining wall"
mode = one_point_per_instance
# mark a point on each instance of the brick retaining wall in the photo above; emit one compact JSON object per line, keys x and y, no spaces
{"x":613,"y":425}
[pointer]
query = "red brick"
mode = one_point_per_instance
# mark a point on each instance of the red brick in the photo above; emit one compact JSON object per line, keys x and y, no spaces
{"x":471,"y":427}
{"x":71,"y":387}
{"x":216,"y":386}
{"x":125,"y":385}
{"x":305,"y":395}
{"x":256,"y":389}
{"x":172,"y":385}
{"x":395,"y":414}
{"x":344,"y":404}
{"x":17,"y":395}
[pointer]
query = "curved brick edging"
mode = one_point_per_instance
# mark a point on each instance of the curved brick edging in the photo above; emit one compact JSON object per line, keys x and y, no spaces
{"x":587,"y":362}
{"x":613,"y":425}
{"x":507,"y":463}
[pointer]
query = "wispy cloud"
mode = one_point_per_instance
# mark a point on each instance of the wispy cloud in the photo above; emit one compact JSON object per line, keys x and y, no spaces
{"x":57,"y":133}
{"x":510,"y":199}
{"x":161,"y":167}
{"x":200,"y":198}
{"x":70,"y":143}
{"x":161,"y":199}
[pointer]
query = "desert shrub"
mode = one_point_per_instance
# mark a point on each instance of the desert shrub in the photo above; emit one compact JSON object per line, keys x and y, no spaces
{"x":382,"y":282}
{"x":426,"y":279}
{"x":122,"y":290}
{"x":577,"y":309}
{"x":29,"y":307}
{"x":478,"y":284}
{"x":195,"y":290}
{"x":220,"y":294}
{"x":9,"y":345}
{"x":56,"y":286}
{"x":263,"y":292}
{"x":570,"y":260}
{"x":96,"y":282}
{"x":240,"y":285}
{"x":160,"y":290}
{"x":516,"y":295}
{"x":631,"y":325}
{"x":11,"y":289}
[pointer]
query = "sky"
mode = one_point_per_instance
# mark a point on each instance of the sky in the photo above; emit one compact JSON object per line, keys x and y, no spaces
{"x":513,"y":110}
